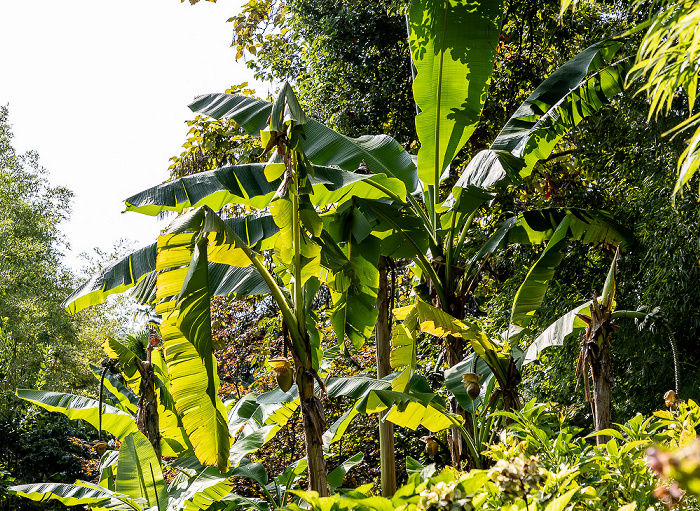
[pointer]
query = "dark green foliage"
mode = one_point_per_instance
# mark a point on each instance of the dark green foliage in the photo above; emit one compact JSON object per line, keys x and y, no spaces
{"x":349,"y":62}
{"x":36,"y":445}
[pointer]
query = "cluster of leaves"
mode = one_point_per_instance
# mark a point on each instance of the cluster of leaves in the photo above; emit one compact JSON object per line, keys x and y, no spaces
{"x":543,"y":462}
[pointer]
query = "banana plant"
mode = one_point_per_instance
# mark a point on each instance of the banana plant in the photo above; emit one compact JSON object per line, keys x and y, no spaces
{"x":598,"y":318}
{"x":137,"y":485}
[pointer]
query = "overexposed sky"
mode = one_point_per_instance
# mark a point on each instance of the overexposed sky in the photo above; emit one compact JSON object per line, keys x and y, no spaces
{"x":100,"y":90}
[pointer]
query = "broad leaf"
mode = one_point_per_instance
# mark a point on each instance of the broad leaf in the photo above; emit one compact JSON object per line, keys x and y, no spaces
{"x":136,"y":267}
{"x":537,"y":226}
{"x":453,"y":45}
{"x":114,"y":421}
{"x":555,"y":333}
{"x":123,"y":398}
{"x":321,"y":145}
{"x":116,"y":278}
{"x":336,"y":476}
{"x":96,"y":497}
{"x":139,"y":474}
{"x":199,"y":492}
{"x":531,"y":292}
{"x":576,"y":90}
{"x":355,"y":286}
{"x":419,"y":407}
{"x":247,"y":184}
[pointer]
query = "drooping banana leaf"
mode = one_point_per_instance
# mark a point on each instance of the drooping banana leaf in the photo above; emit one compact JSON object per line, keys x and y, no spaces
{"x":354,"y":287}
{"x":531,"y":292}
{"x":139,"y":474}
{"x":453,"y":45}
{"x":576,"y":90}
{"x":255,"y":420}
{"x":247,"y":184}
{"x":183,"y":295}
{"x":116,"y":278}
{"x":420,"y":406}
{"x":537,"y":226}
{"x":434,"y":321}
{"x":321,"y":145}
{"x":96,"y":497}
{"x":114,"y":421}
{"x":555,"y":333}
{"x":108,"y":469}
{"x":135,"y":267}
{"x":589,"y":227}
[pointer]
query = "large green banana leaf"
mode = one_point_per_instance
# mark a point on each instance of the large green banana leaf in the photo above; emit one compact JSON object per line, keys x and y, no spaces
{"x":81,"y":493}
{"x":247,"y":184}
{"x":576,"y":90}
{"x":199,"y":492}
{"x":418,"y":405}
{"x":255,"y":420}
{"x":114,"y":420}
{"x":135,"y":267}
{"x":321,"y":145}
{"x":453,"y":45}
{"x":139,"y":474}
{"x":555,"y":333}
{"x":183,"y":296}
{"x":531,"y":292}
{"x":355,"y":287}
{"x":590,"y":227}
{"x":537,"y":226}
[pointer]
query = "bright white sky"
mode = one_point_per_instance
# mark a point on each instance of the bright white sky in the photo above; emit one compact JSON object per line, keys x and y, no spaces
{"x":100,"y":90}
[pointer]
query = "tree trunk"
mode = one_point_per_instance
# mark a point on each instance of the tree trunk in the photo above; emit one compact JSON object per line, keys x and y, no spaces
{"x":314,"y":424}
{"x":600,"y":404}
{"x":386,"y":429}
{"x":455,"y":354}
{"x":147,"y":415}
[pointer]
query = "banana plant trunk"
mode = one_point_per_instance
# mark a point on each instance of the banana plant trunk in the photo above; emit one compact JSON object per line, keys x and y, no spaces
{"x":600,"y":403}
{"x":147,"y":415}
{"x":386,"y":429}
{"x":313,"y":422}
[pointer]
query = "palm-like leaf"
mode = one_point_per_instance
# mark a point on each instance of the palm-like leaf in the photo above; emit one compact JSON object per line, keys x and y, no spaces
{"x":576,"y":90}
{"x":248,"y":185}
{"x":115,"y":421}
{"x":139,"y":474}
{"x":321,"y":145}
{"x":452,"y":75}
{"x":183,"y":295}
{"x":96,"y":497}
{"x":134,"y":268}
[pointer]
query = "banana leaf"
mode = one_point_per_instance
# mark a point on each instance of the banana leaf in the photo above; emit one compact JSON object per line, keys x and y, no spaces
{"x":123,"y":398}
{"x":321,"y":145}
{"x":337,"y":475}
{"x":531,"y":292}
{"x":96,"y":497}
{"x":453,"y":45}
{"x":199,"y":492}
{"x":248,"y":185}
{"x":114,"y":421}
{"x":139,"y":474}
{"x":183,"y":295}
{"x":573,"y":92}
{"x":134,"y":268}
{"x":537,"y":226}
{"x":557,"y":332}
